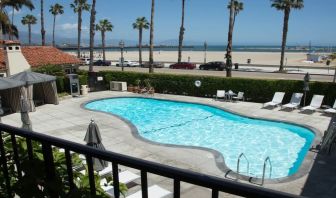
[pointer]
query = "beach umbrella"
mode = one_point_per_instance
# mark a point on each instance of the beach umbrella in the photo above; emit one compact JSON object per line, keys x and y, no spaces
{"x":1,"y":110}
{"x":26,"y":123}
{"x":306,"y":80}
{"x":93,"y":139}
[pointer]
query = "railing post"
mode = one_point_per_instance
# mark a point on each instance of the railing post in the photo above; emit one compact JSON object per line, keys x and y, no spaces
{"x":214,"y":193}
{"x":49,"y":167}
{"x":29,"y":148}
{"x":89,"y":162}
{"x":115,"y":180}
{"x":16,"y":156}
{"x":69,"y":169}
{"x":177,"y":188}
{"x":144,"y":184}
{"x":4,"y":166}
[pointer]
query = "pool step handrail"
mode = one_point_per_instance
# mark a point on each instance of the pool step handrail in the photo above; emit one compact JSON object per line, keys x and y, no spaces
{"x":268,"y":159}
{"x":238,"y":165}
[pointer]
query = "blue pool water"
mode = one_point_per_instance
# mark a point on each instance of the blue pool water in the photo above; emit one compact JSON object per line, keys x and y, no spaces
{"x":199,"y":125}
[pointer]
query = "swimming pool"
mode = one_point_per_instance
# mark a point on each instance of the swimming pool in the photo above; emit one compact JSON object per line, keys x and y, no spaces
{"x":189,"y":124}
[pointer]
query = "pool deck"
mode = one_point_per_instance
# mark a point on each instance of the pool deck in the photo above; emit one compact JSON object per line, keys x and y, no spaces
{"x":69,"y":121}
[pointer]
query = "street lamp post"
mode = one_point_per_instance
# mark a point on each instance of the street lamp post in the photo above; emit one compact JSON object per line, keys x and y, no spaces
{"x":205,"y":51}
{"x":122,"y":45}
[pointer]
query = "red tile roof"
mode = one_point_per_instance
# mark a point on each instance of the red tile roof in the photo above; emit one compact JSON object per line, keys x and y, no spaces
{"x":43,"y":55}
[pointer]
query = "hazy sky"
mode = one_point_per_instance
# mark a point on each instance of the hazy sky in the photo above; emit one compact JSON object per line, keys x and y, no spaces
{"x":206,"y":20}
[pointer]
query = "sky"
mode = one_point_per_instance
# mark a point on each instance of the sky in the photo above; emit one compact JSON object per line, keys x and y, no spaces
{"x":205,"y":20}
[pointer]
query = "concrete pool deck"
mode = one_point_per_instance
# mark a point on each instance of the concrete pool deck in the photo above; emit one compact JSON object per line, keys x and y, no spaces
{"x":69,"y":121}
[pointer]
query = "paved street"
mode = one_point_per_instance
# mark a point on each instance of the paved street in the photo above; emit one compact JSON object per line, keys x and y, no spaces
{"x":245,"y":73}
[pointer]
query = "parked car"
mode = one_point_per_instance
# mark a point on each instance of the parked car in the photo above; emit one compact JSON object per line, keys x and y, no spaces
{"x":86,"y":61}
{"x":128,"y":63}
{"x":102,"y":63}
{"x":183,"y":65}
{"x":217,"y":65}
{"x":155,"y":64}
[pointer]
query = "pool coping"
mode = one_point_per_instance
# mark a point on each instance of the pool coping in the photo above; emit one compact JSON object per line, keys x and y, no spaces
{"x":303,"y":170}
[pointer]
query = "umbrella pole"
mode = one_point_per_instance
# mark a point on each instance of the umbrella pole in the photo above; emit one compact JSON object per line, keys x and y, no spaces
{"x":304,"y":99}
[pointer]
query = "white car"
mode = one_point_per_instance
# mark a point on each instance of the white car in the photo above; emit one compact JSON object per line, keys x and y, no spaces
{"x":86,"y":61}
{"x":128,"y":63}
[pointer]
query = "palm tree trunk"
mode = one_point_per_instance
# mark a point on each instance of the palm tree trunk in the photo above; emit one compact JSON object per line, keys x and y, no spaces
{"x":284,"y":39}
{"x":29,"y":34}
{"x":151,"y":38}
{"x":79,"y":32}
{"x":53,"y":42}
{"x":140,"y":46}
{"x":92,"y":32}
{"x":103,"y":44}
{"x":42,"y":25}
{"x":229,"y":45}
{"x":181,"y":35}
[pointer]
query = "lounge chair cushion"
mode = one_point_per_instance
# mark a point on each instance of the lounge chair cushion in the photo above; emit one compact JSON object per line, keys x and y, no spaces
{"x":330,"y":110}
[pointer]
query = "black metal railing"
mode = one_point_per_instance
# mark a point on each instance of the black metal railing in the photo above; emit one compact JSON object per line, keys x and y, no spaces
{"x":176,"y":174}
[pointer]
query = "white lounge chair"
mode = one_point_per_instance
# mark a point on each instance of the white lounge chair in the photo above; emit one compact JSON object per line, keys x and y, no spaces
{"x":331,"y":110}
{"x":154,"y":191}
{"x":315,"y":103}
{"x":240,"y":96}
{"x":277,"y":99}
{"x":294,"y":102}
{"x":220,"y":94}
{"x":125,"y":177}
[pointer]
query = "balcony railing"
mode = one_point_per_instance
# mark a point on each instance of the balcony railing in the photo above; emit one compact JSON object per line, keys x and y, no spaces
{"x":176,"y":174}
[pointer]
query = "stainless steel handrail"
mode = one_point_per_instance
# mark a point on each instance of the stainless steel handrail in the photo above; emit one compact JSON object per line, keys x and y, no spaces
{"x":238,"y":164}
{"x":268,"y":159}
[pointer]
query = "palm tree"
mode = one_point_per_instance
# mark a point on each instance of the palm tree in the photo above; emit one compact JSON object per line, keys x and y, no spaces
{"x":286,"y":6}
{"x":92,"y":32}
{"x":140,"y":24}
{"x":104,"y":26}
{"x":5,"y":25}
{"x":55,"y":10}
{"x":29,"y":20}
{"x":238,"y":6}
{"x":78,"y":7}
{"x":235,"y":6}
{"x":151,"y":39}
{"x":181,"y":34}
{"x":17,"y":5}
{"x":43,"y":32}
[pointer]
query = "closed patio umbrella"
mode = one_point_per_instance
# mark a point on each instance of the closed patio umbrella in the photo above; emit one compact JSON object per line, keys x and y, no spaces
{"x":93,"y":139}
{"x":306,"y":80}
{"x":26,"y":123}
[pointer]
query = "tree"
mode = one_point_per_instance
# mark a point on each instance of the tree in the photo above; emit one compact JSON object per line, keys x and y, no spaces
{"x":286,"y":6}
{"x":151,"y":39}
{"x":7,"y":27}
{"x":29,"y":20}
{"x":235,"y":6}
{"x":55,"y":10}
{"x":181,"y":34}
{"x":104,"y":26}
{"x":43,"y":32}
{"x":92,"y":32}
{"x":78,"y":7}
{"x":140,"y":24}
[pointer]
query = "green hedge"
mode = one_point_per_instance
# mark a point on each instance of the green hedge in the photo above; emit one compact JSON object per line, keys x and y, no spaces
{"x":256,"y":90}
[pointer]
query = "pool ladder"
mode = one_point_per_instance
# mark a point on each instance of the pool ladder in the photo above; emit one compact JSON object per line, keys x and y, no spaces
{"x":266,"y":162}
{"x":238,"y":165}
{"x":268,"y":159}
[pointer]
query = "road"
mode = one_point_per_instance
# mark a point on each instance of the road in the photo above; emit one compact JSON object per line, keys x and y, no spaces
{"x":242,"y":74}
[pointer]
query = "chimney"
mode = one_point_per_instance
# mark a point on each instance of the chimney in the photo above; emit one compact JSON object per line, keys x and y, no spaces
{"x":15,"y":61}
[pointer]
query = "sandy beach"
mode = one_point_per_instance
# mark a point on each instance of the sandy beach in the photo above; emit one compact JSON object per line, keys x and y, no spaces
{"x":260,"y":58}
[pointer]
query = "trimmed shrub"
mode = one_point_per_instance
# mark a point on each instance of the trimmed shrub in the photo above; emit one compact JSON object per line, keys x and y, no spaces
{"x":256,"y":90}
